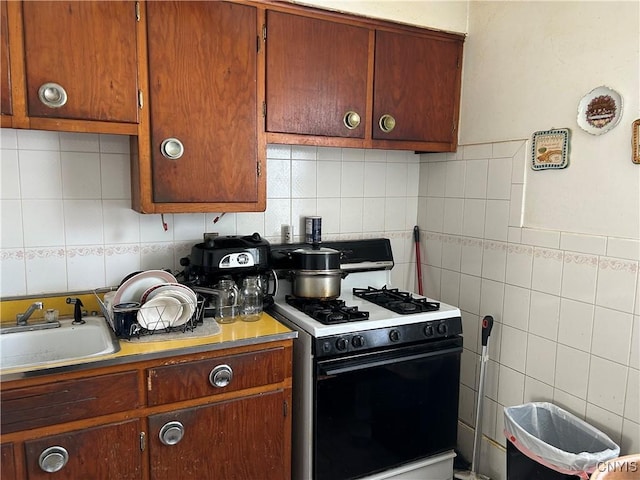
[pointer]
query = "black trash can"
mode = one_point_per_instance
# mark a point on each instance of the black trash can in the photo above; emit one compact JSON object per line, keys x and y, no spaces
{"x":545,"y":442}
{"x":521,"y":467}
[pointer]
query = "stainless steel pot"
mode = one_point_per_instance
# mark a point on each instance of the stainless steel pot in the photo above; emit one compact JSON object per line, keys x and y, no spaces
{"x":316,"y":273}
{"x":320,"y":284}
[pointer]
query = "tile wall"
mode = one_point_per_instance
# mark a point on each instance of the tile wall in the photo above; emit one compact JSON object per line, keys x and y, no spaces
{"x":566,"y":306}
{"x":66,"y":221}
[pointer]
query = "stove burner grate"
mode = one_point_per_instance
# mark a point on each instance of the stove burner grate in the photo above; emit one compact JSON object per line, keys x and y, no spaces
{"x":395,"y":300}
{"x":327,"y":312}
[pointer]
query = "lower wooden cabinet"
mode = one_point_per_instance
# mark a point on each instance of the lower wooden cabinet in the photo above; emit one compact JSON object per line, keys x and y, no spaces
{"x":236,"y":439}
{"x":108,"y":451}
{"x":229,"y":419}
{"x":7,"y":463}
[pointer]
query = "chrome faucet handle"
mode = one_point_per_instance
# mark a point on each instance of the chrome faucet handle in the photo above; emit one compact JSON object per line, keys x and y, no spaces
{"x":21,"y":318}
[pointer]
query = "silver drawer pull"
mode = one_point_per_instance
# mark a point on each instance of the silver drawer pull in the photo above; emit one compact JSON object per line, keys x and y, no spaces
{"x":52,"y":95}
{"x":171,"y":433}
{"x":53,"y":459}
{"x":172,"y":148}
{"x":221,"y":376}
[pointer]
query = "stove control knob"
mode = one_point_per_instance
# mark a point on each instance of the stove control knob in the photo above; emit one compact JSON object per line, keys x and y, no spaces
{"x":394,"y":335}
{"x":428,"y":331}
{"x":342,"y":344}
{"x":326,"y":347}
{"x":442,"y":328}
{"x":357,"y":341}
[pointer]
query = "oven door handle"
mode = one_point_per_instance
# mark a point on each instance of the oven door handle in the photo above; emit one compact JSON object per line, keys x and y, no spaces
{"x":360,"y":364}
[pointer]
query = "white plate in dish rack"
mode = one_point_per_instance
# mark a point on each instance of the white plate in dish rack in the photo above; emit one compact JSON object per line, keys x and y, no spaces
{"x":159,"y":312}
{"x":132,"y":289}
{"x":186,"y":301}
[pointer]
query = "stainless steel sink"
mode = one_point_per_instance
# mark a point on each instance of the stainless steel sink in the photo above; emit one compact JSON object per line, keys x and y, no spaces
{"x":53,"y":345}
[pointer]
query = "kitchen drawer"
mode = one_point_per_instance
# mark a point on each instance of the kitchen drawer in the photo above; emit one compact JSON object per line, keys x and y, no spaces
{"x":185,"y":381}
{"x":69,"y":400}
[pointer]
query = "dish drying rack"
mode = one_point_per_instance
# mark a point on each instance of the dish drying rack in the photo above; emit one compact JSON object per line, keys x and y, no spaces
{"x":157,"y":319}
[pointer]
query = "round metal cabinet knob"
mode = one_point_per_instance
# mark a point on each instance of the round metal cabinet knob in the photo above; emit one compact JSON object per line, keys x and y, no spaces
{"x":53,"y":459}
{"x":172,"y":148}
{"x":351,"y":120}
{"x":221,"y":376}
{"x":171,"y":433}
{"x":52,"y":95}
{"x":387,"y":123}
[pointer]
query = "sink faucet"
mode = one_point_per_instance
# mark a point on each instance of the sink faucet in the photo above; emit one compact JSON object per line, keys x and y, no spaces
{"x":21,"y":318}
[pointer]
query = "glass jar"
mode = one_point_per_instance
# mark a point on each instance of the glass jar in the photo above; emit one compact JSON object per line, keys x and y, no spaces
{"x":250,"y":299}
{"x":227,"y":301}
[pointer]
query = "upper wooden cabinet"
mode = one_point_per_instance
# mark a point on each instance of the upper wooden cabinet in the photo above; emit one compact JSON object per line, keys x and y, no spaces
{"x":80,"y":60}
{"x":316,"y":76}
{"x":70,"y":65}
{"x":336,"y":80}
{"x":201,"y":151}
{"x":5,"y":71}
{"x":416,"y":88}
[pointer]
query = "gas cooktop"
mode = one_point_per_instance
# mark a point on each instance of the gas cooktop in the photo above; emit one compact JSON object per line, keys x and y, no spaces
{"x":396,"y":300}
{"x":327,"y":312}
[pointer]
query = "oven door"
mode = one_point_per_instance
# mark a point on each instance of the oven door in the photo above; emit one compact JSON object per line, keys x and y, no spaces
{"x":376,"y":411}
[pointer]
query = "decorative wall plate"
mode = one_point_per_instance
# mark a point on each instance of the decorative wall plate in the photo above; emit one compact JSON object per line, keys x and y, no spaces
{"x":599,"y":110}
{"x":550,"y":149}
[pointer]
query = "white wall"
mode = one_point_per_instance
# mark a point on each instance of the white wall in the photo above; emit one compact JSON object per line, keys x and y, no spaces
{"x":445,"y":15}
{"x":526,"y":67}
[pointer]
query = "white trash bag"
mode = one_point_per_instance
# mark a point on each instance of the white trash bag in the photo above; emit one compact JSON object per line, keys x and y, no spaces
{"x":557,"y":439}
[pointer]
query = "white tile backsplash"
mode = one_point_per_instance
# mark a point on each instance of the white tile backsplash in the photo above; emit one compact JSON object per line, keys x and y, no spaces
{"x":499,"y":179}
{"x":612,"y":334}
{"x":40,"y":175}
{"x":11,"y":231}
{"x":576,"y":324}
{"x":476,"y":179}
{"x":616,"y":284}
{"x":9,"y":175}
{"x":602,"y":373}
{"x":579,"y":276}
{"x":572,"y":371}
{"x":565,"y":302}
{"x":541,"y":359}
{"x":329,"y":178}
{"x":43,"y":223}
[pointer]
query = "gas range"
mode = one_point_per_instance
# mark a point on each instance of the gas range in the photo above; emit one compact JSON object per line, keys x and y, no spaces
{"x":367,"y":379}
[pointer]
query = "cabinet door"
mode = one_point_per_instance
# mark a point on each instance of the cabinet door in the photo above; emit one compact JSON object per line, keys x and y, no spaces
{"x":5,"y":80}
{"x":316,"y":74}
{"x":88,"y":49}
{"x":238,"y":439}
{"x":417,"y":82}
{"x":7,"y":463}
{"x":110,"y":451}
{"x":203,"y":94}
